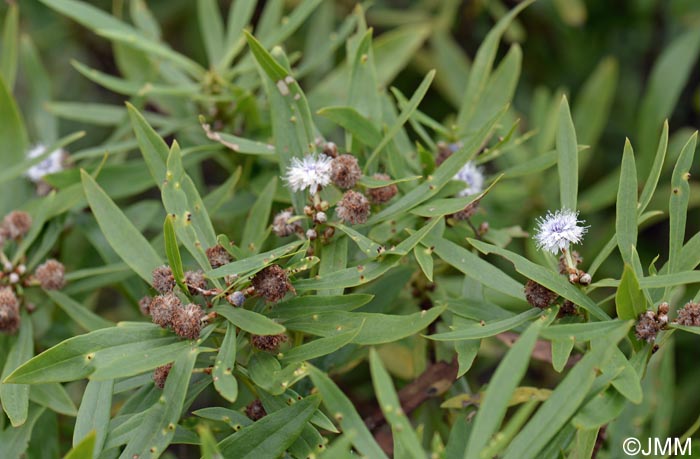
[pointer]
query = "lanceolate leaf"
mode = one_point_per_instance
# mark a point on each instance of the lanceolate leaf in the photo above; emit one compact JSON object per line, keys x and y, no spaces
{"x":629,"y":299}
{"x":121,"y":234}
{"x":15,"y":397}
{"x":94,"y":414}
{"x":222,"y":373}
{"x":626,"y":215}
{"x":567,"y":149}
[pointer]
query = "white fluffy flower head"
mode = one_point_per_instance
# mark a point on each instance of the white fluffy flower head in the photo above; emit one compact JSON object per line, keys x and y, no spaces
{"x":556,"y":231}
{"x":472,"y":176}
{"x":312,"y":172}
{"x":50,"y":165}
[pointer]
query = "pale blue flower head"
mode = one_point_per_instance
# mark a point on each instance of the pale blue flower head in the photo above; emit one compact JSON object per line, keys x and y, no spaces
{"x":556,"y":231}
{"x":473,"y":177}
{"x":312,"y":172}
{"x":49,"y":165}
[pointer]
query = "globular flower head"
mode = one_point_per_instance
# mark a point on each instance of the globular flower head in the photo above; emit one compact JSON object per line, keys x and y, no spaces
{"x":16,"y":224}
{"x":51,"y":275}
{"x":353,"y":208}
{"x":345,"y":171}
{"x":187,"y":321}
{"x":312,"y":172}
{"x":145,"y":305}
{"x":538,"y":295}
{"x":50,"y":165}
{"x":382,"y":194}
{"x":195,"y":281}
{"x":272,"y":283}
{"x":558,"y":230}
{"x":689,"y":315}
{"x":9,"y":310}
{"x":269,"y":343}
{"x":163,"y":308}
{"x":163,"y":279}
{"x":281,"y":225}
{"x":472,"y":176}
{"x":218,"y":256}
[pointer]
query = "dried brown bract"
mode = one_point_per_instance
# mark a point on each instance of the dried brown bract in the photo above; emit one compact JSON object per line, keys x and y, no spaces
{"x":382,"y":194}
{"x":345,"y":172}
{"x":51,"y":275}
{"x":163,"y":279}
{"x":269,"y":343}
{"x":218,"y":256}
{"x":353,"y":208}
{"x":538,"y":295}
{"x":272,"y":283}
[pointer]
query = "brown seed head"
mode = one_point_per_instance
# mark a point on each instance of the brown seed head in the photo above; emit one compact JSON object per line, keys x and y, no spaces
{"x":567,"y":309}
{"x":353,"y":208}
{"x":467,"y":212}
{"x":281,"y":226}
{"x":382,"y":194}
{"x":163,"y":279}
{"x":689,"y":315}
{"x":163,"y":309}
{"x":345,"y":171}
{"x":195,"y":281}
{"x":538,"y":295}
{"x":9,"y":310}
{"x":255,"y":410}
{"x":161,"y":374}
{"x":218,"y":256}
{"x":16,"y":224}
{"x":272,"y":283}
{"x":330,"y":149}
{"x":187,"y":321}
{"x":269,"y":343}
{"x":51,"y":275}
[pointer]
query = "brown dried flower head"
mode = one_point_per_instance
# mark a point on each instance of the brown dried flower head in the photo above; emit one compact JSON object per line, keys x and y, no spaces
{"x":163,"y":309}
{"x":161,"y":374}
{"x":568,"y":308}
{"x":647,"y":327}
{"x":538,"y":295}
{"x":145,"y":305}
{"x":187,"y":321}
{"x":268,"y":343}
{"x":255,"y":410}
{"x":382,"y":194}
{"x":163,"y":279}
{"x":272,"y":283}
{"x":16,"y":224}
{"x":345,"y":172}
{"x":218,"y":256}
{"x":281,"y":225}
{"x":51,"y":275}
{"x":353,"y":208}
{"x":9,"y":310}
{"x":195,"y":281}
{"x":689,"y":315}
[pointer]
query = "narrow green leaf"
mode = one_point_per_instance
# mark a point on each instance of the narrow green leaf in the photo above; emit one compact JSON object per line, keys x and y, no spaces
{"x":14,"y":441}
{"x":678,"y":202}
{"x":79,"y":313}
{"x":314,"y":304}
{"x":581,"y":332}
{"x":353,"y":122}
{"x":567,"y":150}
{"x":153,"y":148}
{"x":210,"y":449}
{"x":250,"y":321}
{"x":254,"y":233}
{"x":158,"y":425}
{"x":563,"y":402}
{"x":629,"y":298}
{"x":211,"y":27}
{"x":626,"y":206}
{"x":342,"y":409}
{"x":503,"y":383}
{"x":271,"y":435}
{"x":375,"y":328}
{"x":591,"y":107}
{"x":10,"y":46}
{"x":254,"y":263}
{"x":391,"y":407}
{"x":655,"y":173}
{"x":83,"y":449}
{"x":172,"y":251}
{"x":121,"y":234}
{"x":93,"y":415}
{"x":54,"y":397}
{"x":15,"y":397}
{"x":368,"y":247}
{"x":447,"y":206}
{"x":319,"y":347}
{"x":222,"y":373}
{"x":424,"y":258}
{"x":478,"y":331}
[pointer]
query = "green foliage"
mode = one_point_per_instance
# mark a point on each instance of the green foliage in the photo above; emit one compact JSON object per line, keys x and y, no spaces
{"x":413,"y":316}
